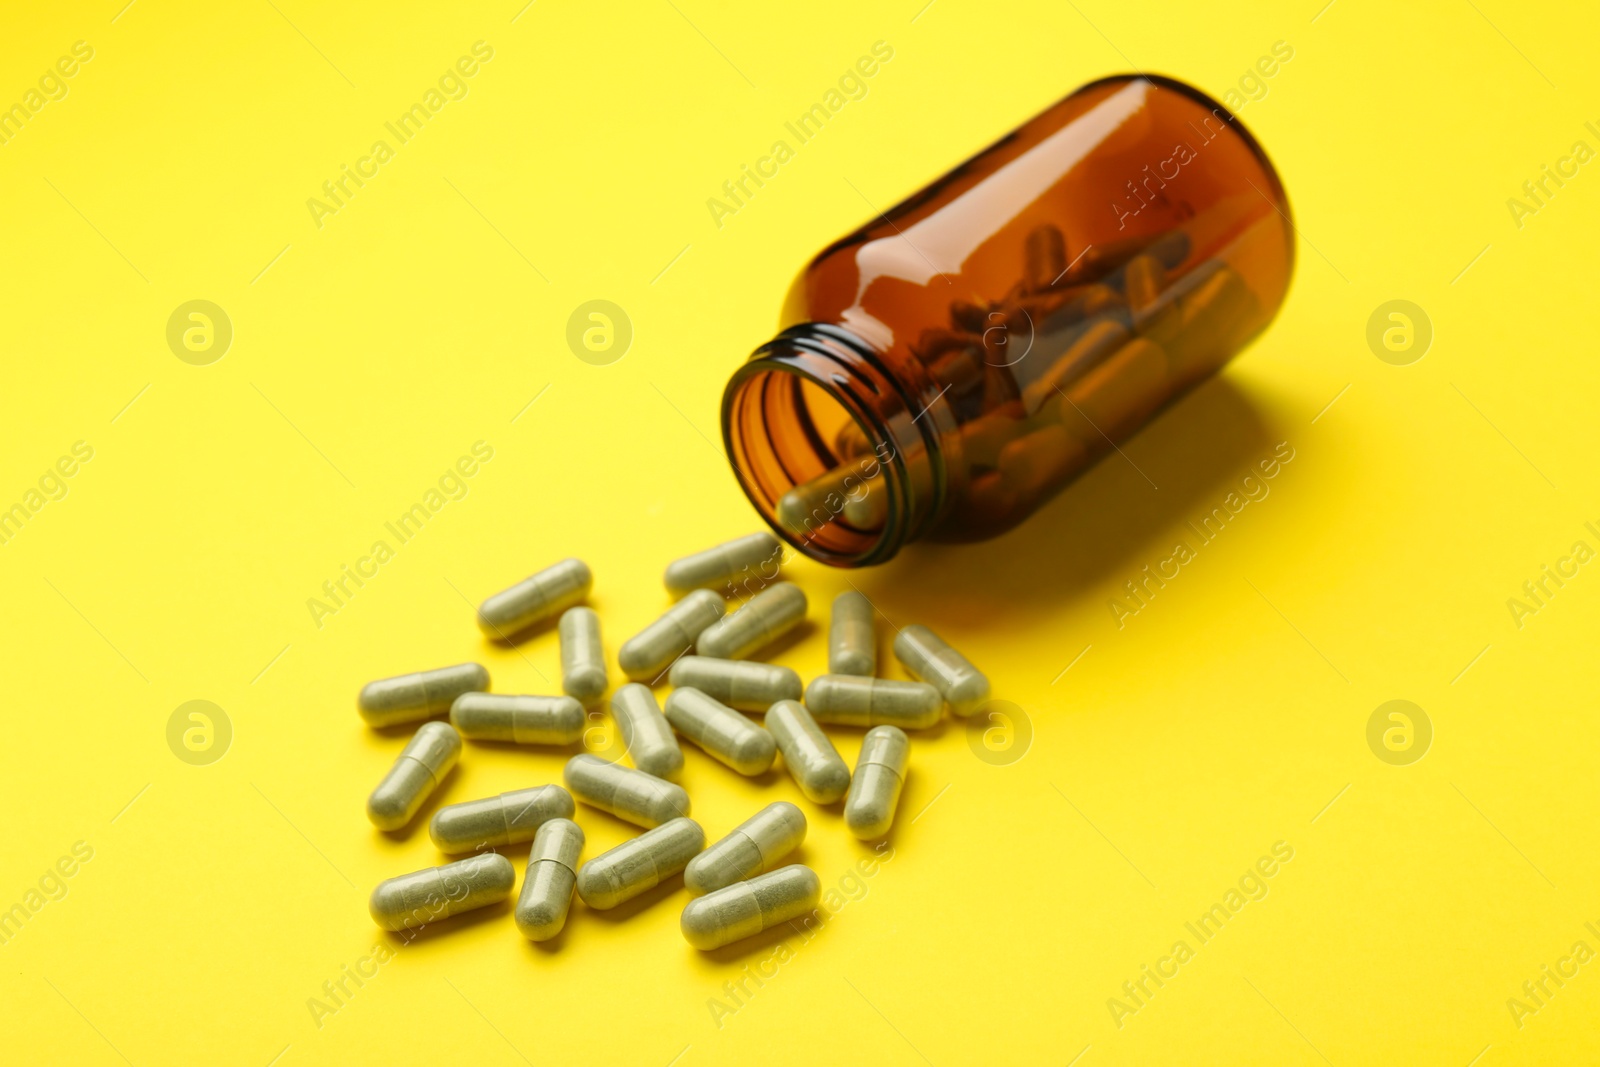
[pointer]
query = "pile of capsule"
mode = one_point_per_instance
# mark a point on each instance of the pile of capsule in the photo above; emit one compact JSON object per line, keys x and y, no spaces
{"x":739,"y":885}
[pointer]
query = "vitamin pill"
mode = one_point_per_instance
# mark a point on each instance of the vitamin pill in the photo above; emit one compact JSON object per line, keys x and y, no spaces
{"x":1046,"y":256}
{"x":812,"y":760}
{"x":526,"y":720}
{"x":721,"y":731}
{"x":1121,"y":392}
{"x":764,"y":618}
{"x":422,"y":765}
{"x":547,"y":886}
{"x":875,"y":789}
{"x":747,"y":908}
{"x":583,"y":659}
{"x":737,"y":683}
{"x":648,"y":652}
{"x":926,"y":655}
{"x":648,"y":739}
{"x":535,"y":599}
{"x":851,"y":440}
{"x":720,"y":565}
{"x":848,"y":700}
{"x":1215,"y":306}
{"x":423,"y":695}
{"x":411,"y":901}
{"x":816,"y":502}
{"x":868,"y":507}
{"x":754,"y":847}
{"x":630,"y":795}
{"x":1036,"y":463}
{"x":1090,"y":348}
{"x":852,"y":640}
{"x":508,"y":819}
{"x":639,"y":865}
{"x":1143,"y":280}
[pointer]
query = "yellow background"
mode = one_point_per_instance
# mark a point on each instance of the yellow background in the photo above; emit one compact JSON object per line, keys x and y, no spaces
{"x":369,"y":354}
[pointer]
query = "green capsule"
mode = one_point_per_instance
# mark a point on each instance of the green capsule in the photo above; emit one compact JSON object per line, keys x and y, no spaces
{"x":764,"y":618}
{"x":848,"y":700}
{"x":525,"y":720}
{"x":747,"y":908}
{"x":410,"y":697}
{"x":742,"y":684}
{"x":925,"y":654}
{"x":535,"y":599}
{"x":422,"y":765}
{"x":650,"y":651}
{"x":718,"y":566}
{"x":411,"y":901}
{"x":754,"y":847}
{"x":721,"y":731}
{"x":547,"y":886}
{"x":875,"y":788}
{"x":819,"y":501}
{"x":508,"y":819}
{"x":648,"y":739}
{"x":852,"y":638}
{"x":631,"y":795}
{"x":583,"y":658}
{"x":811,"y":758}
{"x":639,"y":865}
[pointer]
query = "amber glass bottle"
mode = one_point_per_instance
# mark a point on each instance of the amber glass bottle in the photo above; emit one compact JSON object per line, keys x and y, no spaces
{"x":948,"y":367}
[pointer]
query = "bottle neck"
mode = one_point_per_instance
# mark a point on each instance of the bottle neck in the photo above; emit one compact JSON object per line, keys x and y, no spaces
{"x":835,"y":450}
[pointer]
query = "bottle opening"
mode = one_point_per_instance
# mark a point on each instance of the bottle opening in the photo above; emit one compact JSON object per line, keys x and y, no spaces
{"x":812,"y":461}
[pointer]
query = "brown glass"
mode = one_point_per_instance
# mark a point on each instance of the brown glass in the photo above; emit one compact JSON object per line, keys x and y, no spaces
{"x":950,"y":366}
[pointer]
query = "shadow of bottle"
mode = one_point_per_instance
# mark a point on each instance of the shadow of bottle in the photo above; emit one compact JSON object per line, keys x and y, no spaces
{"x":1107,"y":524}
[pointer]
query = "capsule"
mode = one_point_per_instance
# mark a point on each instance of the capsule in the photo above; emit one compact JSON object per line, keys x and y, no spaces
{"x":422,"y":765}
{"x":764,"y":618}
{"x":1045,"y":252}
{"x":1112,"y":399}
{"x":720,"y":565}
{"x":649,"y":741}
{"x":508,"y":819}
{"x":817,"y":502}
{"x":721,"y":731}
{"x":925,"y":654}
{"x":754,"y":847}
{"x":875,"y":789}
{"x":1143,"y":279}
{"x":848,"y":700}
{"x":812,"y":760}
{"x":1091,"y":346}
{"x":583,"y":658}
{"x":547,"y":886}
{"x":412,"y":901}
{"x":409,"y":697}
{"x":525,"y":720}
{"x":631,"y":795}
{"x":648,"y":652}
{"x":1036,"y":463}
{"x":852,"y":640}
{"x":741,"y":684}
{"x":747,"y":908}
{"x":639,"y":865}
{"x":535,"y":599}
{"x":867,"y":508}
